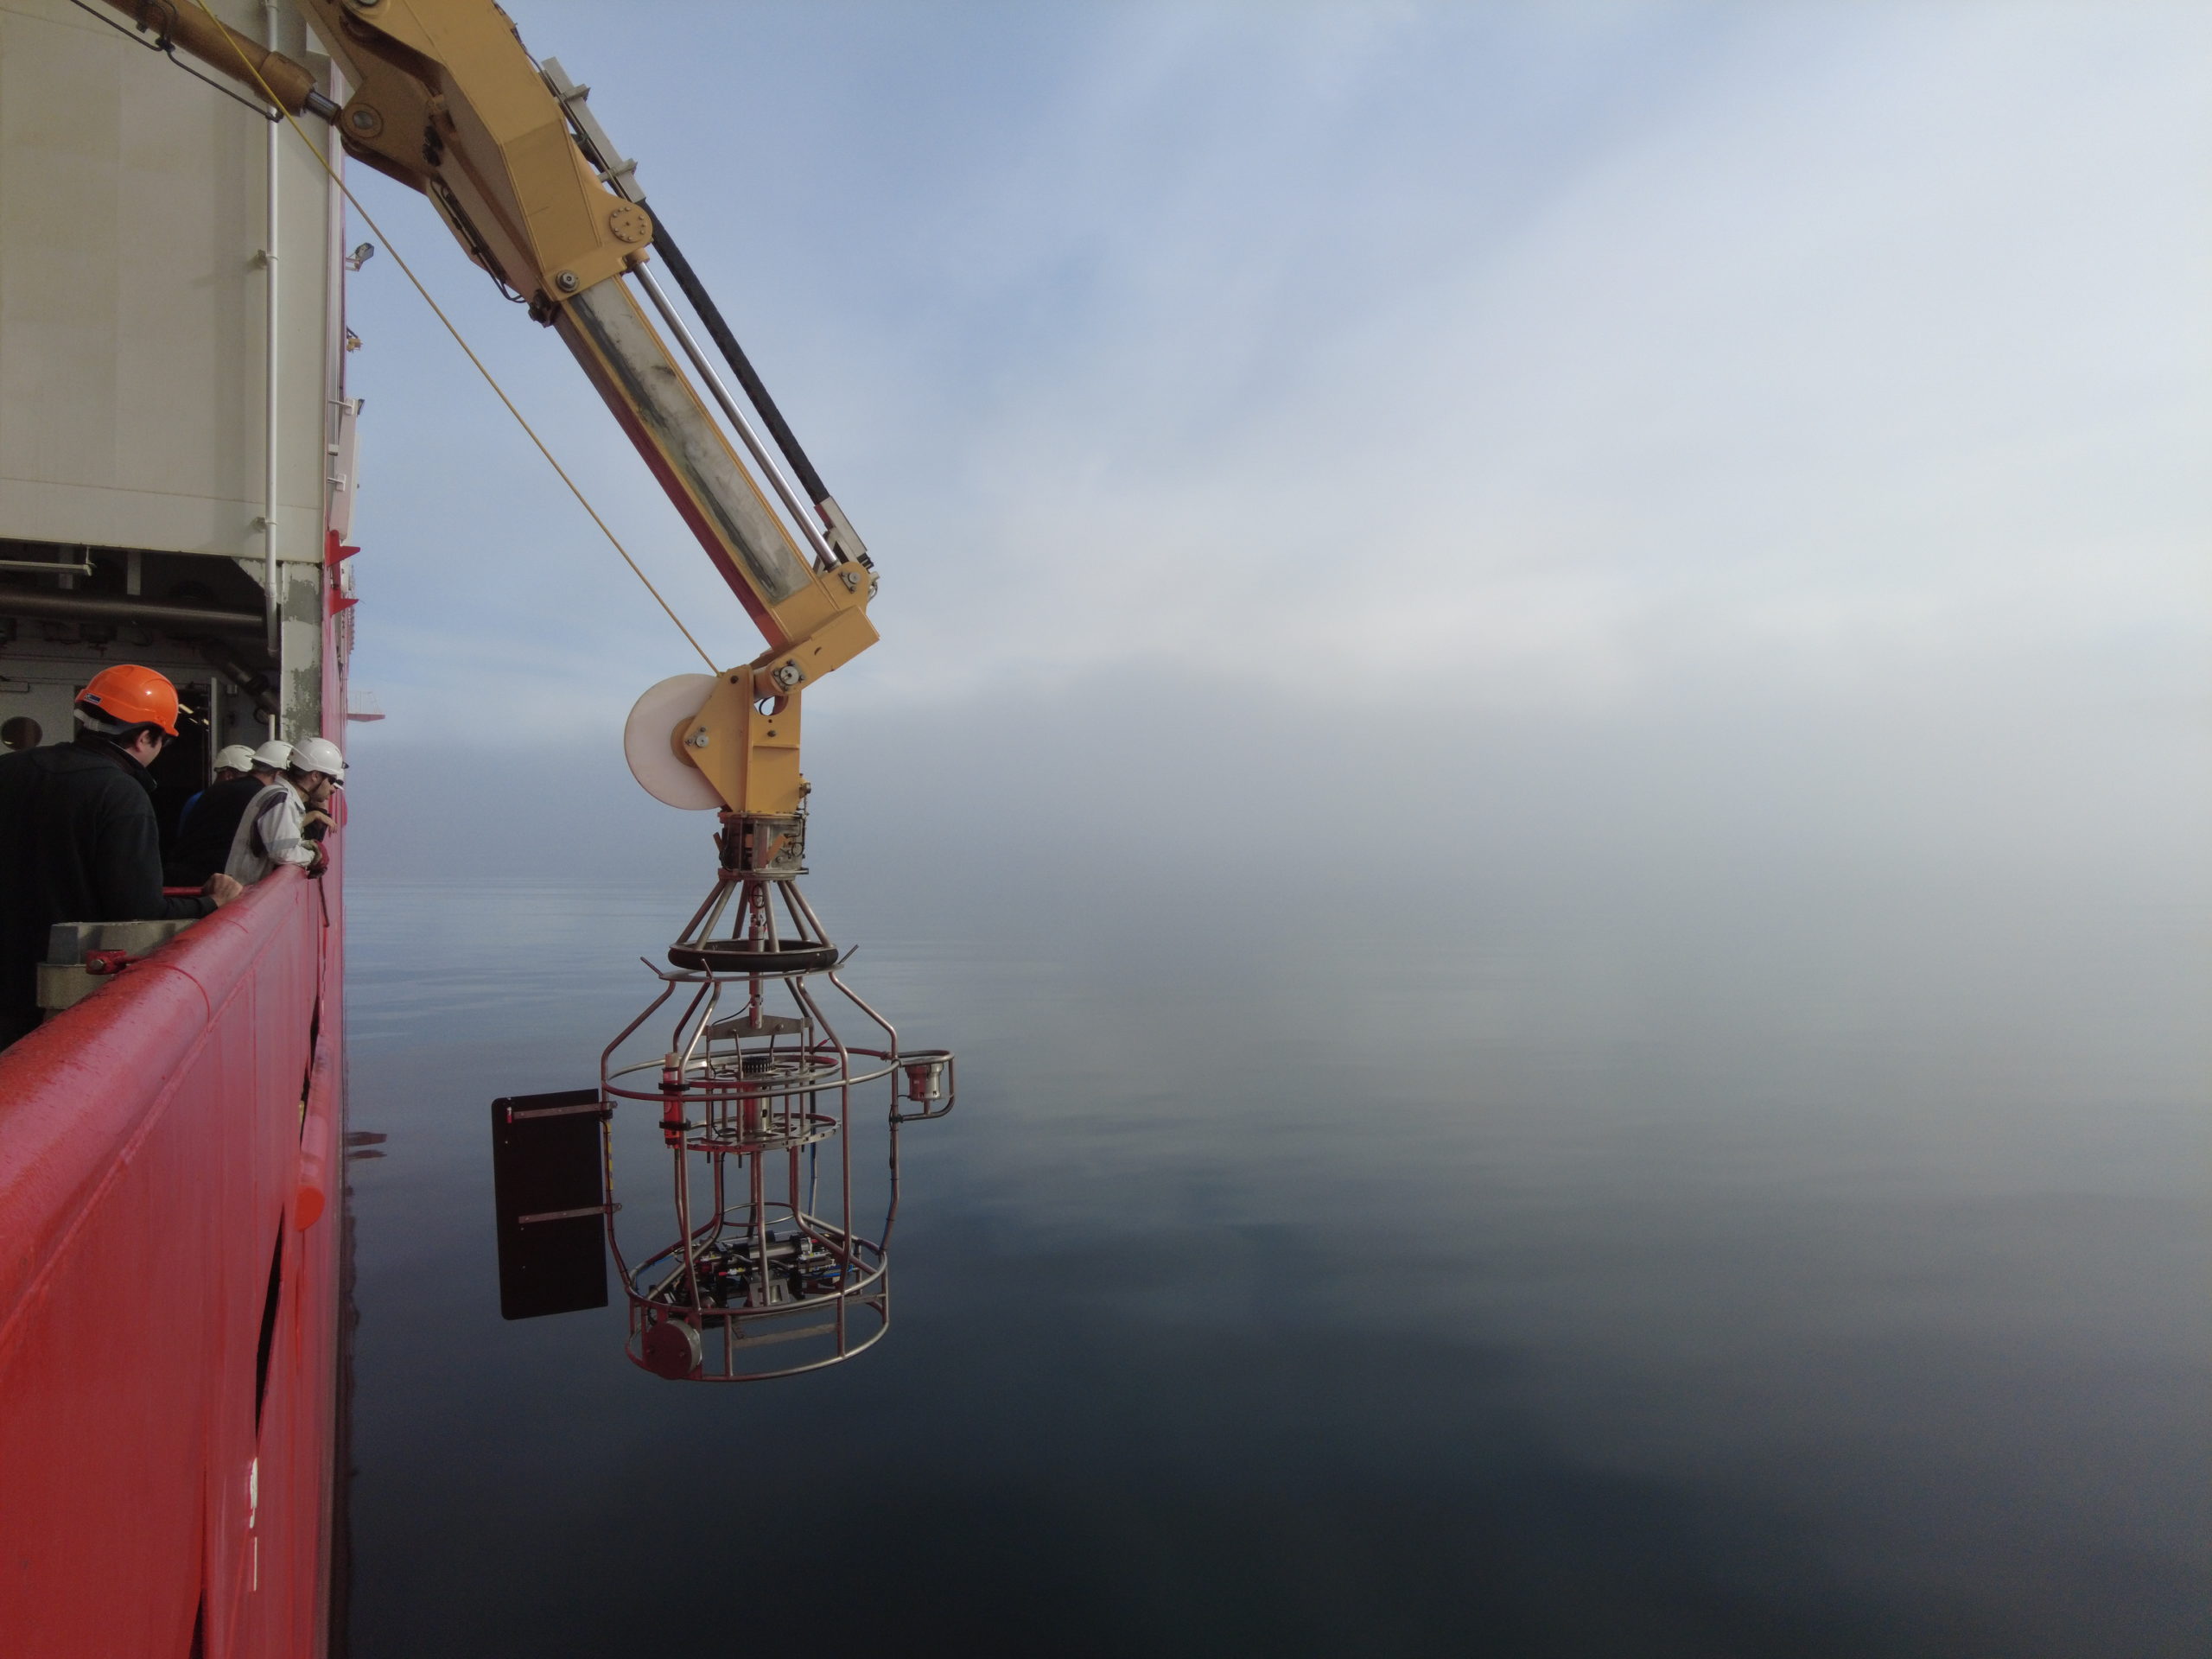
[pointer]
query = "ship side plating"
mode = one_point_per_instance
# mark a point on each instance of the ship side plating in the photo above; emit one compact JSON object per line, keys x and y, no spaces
{"x":176,"y":479}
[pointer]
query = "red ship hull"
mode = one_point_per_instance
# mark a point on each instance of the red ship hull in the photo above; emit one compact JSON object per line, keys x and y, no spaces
{"x":171,"y":1197}
{"x":173,"y":350}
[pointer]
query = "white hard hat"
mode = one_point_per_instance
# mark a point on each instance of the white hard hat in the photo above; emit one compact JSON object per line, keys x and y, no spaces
{"x":273,"y":754}
{"x":319,"y":754}
{"x":237,"y":758}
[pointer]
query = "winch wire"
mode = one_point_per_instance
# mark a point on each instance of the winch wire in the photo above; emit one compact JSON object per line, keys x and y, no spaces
{"x":490,"y":380}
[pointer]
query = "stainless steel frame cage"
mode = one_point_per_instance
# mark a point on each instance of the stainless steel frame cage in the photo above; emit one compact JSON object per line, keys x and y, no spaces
{"x":756,"y":1085}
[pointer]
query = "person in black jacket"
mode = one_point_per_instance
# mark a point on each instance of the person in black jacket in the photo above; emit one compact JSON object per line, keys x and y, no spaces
{"x":211,"y":818}
{"x":77,"y":840}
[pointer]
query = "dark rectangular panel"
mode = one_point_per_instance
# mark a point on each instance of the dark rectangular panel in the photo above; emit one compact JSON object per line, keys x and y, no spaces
{"x":546,"y":1158}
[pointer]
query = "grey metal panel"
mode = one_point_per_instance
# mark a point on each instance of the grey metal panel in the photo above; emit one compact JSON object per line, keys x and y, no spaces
{"x":131,"y":299}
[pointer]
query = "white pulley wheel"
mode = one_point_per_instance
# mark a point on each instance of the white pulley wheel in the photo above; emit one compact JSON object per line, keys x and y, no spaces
{"x":646,"y":743}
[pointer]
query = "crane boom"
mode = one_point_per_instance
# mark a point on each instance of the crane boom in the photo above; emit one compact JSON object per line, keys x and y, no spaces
{"x":444,"y":97}
{"x":758,"y":1092}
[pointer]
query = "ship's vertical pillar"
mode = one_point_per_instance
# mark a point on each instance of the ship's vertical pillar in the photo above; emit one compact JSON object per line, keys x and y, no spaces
{"x":300,"y":608}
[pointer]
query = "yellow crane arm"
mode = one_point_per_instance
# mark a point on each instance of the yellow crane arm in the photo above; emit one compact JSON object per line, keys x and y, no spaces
{"x":446,"y":99}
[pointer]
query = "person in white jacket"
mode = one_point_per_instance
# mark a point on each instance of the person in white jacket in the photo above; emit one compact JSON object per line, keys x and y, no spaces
{"x":270,"y":833}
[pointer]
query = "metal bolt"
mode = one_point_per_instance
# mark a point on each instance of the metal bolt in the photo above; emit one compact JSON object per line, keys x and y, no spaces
{"x":697,"y":739}
{"x":788,"y":676}
{"x":566,"y":282}
{"x":851,"y":578}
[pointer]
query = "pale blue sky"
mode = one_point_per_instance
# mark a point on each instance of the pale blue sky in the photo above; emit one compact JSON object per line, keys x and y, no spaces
{"x":1530,"y":362}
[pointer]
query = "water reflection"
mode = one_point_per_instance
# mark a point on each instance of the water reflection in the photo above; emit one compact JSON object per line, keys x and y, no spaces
{"x":1683,"y":1286}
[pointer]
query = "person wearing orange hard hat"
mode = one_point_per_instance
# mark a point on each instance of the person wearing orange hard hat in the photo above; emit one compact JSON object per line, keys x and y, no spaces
{"x":77,"y":840}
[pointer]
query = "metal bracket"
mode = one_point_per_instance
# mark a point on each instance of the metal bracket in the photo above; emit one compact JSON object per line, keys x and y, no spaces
{"x":568,"y":1215}
{"x":595,"y":1111}
{"x":619,"y":176}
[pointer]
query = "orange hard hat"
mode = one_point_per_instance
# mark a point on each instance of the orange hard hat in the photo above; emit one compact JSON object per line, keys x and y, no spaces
{"x":133,"y":696}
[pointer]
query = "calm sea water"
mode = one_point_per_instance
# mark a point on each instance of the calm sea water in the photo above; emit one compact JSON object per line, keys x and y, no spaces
{"x":1785,"y":1278}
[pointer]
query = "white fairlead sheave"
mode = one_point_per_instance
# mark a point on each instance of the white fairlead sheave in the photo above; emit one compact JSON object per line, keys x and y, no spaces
{"x":268,"y":834}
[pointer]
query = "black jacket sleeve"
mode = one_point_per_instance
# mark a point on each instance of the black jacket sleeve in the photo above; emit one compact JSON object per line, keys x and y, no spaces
{"x":126,"y":862}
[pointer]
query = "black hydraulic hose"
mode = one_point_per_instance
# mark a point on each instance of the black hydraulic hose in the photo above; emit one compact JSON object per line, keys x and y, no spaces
{"x":703,"y":304}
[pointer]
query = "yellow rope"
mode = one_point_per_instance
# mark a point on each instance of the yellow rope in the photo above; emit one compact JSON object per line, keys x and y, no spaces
{"x":614,"y":541}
